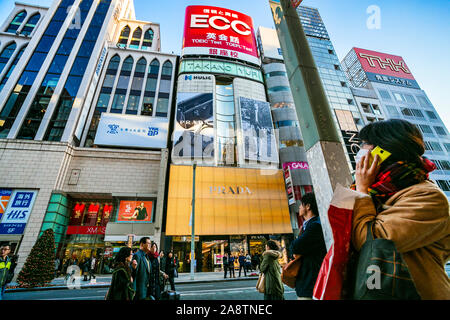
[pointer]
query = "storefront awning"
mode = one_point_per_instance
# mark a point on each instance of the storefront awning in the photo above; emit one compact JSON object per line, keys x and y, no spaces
{"x":229,"y":201}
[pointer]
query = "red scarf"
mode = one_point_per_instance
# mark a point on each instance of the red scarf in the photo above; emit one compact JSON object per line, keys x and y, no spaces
{"x":154,"y":255}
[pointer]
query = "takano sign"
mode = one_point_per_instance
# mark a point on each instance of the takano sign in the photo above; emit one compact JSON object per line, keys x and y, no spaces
{"x":219,"y":32}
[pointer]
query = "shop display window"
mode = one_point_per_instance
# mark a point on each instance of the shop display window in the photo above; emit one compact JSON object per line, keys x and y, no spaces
{"x":91,"y":213}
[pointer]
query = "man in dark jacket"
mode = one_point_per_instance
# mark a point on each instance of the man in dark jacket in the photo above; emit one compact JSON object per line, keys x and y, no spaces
{"x":242,"y":261}
{"x":141,"y":269}
{"x":310,"y":245}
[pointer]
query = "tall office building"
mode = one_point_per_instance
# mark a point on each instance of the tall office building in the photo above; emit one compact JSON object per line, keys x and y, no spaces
{"x":223,"y":122}
{"x":390,"y":80}
{"x":85,"y":104}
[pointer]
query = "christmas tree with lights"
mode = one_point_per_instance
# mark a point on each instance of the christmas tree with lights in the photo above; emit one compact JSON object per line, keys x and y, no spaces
{"x":39,"y":269}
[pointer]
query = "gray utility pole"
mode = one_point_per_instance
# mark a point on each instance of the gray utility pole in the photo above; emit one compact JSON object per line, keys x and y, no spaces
{"x":193,"y":258}
{"x":324,"y":151}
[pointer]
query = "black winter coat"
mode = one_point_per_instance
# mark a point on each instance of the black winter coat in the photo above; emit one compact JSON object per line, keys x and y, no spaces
{"x":121,"y":286}
{"x":311,"y":246}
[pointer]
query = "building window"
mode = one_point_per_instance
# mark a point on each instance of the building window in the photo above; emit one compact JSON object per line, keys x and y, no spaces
{"x":425,"y":129}
{"x":6,"y":55}
{"x":16,"y":22}
{"x":286,"y":123}
{"x":385,"y":95}
{"x":226,"y":125}
{"x":150,"y":89}
{"x":345,"y":120}
{"x":136,"y":87}
{"x":122,"y":86}
{"x":276,"y":74}
{"x":279,"y":89}
{"x":162,"y":105}
{"x":366,"y":108}
{"x":423,"y":101}
{"x":447,"y":146}
{"x":148,"y":39}
{"x":31,"y":23}
{"x":444,"y":185}
{"x":440,"y":131}
{"x":136,"y":38}
{"x":431,"y":115}
{"x":123,"y":39}
{"x":11,"y":67}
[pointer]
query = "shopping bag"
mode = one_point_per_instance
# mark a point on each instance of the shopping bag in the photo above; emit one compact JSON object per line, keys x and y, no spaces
{"x":290,"y":272}
{"x":329,"y":283}
{"x":260,"y":285}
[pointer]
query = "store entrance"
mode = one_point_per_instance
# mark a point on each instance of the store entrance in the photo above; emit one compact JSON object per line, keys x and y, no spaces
{"x":212,"y":255}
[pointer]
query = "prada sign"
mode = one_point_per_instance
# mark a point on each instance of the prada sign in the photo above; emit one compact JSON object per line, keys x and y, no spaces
{"x":230,"y":190}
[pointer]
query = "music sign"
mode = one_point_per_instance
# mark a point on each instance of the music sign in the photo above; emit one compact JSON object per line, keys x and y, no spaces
{"x":219,"y":32}
{"x":19,"y":209}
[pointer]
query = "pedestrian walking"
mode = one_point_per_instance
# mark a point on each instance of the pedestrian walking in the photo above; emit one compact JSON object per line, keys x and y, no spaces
{"x":171,"y":269}
{"x":5,"y":266}
{"x":57,"y":263}
{"x":242,"y":263}
{"x":141,"y":270}
{"x":403,"y":204}
{"x":310,"y":245}
{"x":85,"y":268}
{"x":225,"y":265}
{"x":155,"y":286}
{"x":121,"y":287}
{"x":270,"y":267}
{"x":231,"y":260}
{"x":92,"y":268}
{"x":248,"y":262}
{"x":162,"y":261}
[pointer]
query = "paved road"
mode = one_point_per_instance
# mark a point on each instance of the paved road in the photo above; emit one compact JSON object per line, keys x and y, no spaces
{"x":232,"y":290}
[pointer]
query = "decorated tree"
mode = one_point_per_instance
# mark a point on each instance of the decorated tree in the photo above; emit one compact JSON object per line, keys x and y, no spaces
{"x":38,"y":270}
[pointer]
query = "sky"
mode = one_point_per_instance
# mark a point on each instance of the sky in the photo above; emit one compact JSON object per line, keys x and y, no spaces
{"x":417,"y":30}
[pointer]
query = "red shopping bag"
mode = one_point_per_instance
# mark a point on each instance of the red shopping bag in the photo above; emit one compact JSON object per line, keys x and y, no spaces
{"x":329,"y":283}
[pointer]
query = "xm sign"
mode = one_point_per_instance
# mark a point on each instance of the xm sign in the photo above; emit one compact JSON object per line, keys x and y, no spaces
{"x":18,"y":211}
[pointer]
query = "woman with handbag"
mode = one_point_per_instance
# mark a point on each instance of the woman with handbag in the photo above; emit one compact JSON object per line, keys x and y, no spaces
{"x":122,"y":283}
{"x":400,"y":204}
{"x":273,"y":287}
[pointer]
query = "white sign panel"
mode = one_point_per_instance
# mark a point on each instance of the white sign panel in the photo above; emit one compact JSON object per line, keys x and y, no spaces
{"x":271,"y":47}
{"x":132,"y":131}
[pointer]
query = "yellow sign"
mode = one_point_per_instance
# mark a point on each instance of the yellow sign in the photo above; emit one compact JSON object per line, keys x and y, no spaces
{"x":228,"y":201}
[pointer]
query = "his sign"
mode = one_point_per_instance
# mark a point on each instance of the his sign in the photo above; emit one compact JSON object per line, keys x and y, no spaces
{"x":19,"y":209}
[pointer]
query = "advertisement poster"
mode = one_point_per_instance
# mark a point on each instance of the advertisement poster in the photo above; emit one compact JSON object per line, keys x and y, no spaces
{"x":219,"y":32}
{"x":124,"y":130}
{"x":135,"y":211}
{"x":257,"y":133}
{"x":18,"y":212}
{"x":194,"y":127}
{"x":5,"y":195}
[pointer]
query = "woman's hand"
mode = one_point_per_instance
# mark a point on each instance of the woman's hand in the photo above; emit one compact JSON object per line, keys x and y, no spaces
{"x":366,"y":173}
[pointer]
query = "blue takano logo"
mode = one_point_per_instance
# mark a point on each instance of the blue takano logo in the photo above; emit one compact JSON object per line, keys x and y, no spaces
{"x":113,"y":128}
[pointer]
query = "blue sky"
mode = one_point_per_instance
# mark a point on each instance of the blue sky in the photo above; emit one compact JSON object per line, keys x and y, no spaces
{"x":417,"y":30}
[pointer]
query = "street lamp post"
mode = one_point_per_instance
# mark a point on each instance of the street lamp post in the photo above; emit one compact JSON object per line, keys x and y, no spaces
{"x":193,"y":223}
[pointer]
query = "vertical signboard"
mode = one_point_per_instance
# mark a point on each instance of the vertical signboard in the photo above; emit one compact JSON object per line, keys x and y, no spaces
{"x":289,"y":186}
{"x":194,"y":127}
{"x":256,"y":131}
{"x":18,"y":212}
{"x":219,"y":32}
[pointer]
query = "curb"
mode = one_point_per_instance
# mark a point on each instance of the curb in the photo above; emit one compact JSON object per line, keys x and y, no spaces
{"x":106,"y":285}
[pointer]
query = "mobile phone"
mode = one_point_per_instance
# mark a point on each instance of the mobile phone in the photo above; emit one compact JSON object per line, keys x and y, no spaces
{"x":382,"y":154}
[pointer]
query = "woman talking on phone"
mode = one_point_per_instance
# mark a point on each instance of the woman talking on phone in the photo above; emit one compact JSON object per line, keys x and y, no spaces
{"x":402,"y":204}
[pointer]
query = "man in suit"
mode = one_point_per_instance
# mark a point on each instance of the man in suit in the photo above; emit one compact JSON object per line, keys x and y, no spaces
{"x":141,"y":269}
{"x":310,"y":245}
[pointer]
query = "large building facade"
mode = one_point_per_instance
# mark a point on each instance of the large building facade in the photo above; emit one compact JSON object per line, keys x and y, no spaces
{"x":396,"y":95}
{"x":223,"y":123}
{"x":84,"y":128}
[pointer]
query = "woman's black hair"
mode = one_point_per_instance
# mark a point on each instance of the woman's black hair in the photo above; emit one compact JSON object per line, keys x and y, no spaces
{"x":400,"y":137}
{"x":154,"y":243}
{"x":123,"y":253}
{"x":272,"y":245}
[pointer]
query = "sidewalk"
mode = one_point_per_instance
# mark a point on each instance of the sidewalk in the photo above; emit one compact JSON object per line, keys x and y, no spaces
{"x":103,"y":281}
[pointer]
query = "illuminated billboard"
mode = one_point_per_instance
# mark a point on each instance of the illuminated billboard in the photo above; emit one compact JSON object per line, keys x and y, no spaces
{"x":219,"y":32}
{"x":386,"y":68}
